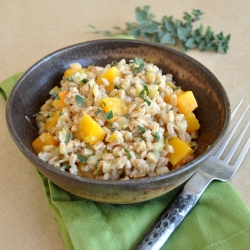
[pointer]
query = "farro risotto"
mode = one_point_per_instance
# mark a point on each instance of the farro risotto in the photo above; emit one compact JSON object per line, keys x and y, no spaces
{"x":123,"y":121}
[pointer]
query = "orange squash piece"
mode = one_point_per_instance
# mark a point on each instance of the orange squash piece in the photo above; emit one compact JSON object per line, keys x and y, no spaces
{"x":117,"y":105}
{"x":44,"y":139}
{"x":192,"y":121}
{"x":181,"y":149}
{"x":60,"y":104}
{"x":51,"y":121}
{"x":72,"y":71}
{"x":109,"y":74}
{"x":186,"y":102}
{"x":89,"y":130}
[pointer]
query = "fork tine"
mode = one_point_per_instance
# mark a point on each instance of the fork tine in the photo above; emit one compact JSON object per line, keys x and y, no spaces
{"x":236,"y":144}
{"x":229,"y":136}
{"x":242,"y":154}
{"x":236,"y":109}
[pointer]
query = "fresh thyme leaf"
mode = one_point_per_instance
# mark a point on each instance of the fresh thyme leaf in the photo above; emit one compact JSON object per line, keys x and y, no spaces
{"x":171,"y":32}
{"x":68,"y":137}
{"x":126,"y":115}
{"x":49,"y":115}
{"x":128,"y":154}
{"x":79,"y":100}
{"x":157,"y":136}
{"x":113,"y":129}
{"x":83,"y":159}
{"x":109,"y":115}
{"x":117,"y":87}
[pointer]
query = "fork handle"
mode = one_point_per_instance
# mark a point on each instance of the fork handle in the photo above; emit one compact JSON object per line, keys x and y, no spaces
{"x":168,"y":221}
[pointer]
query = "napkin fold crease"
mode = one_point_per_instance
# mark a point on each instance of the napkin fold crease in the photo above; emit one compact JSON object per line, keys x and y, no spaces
{"x":220,"y":220}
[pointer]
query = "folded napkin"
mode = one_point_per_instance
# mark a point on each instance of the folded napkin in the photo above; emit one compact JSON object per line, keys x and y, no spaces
{"x":220,"y":220}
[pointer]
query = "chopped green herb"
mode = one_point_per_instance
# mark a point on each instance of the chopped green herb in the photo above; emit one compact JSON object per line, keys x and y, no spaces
{"x":145,"y":91}
{"x":193,"y":146}
{"x":126,"y":115}
{"x":137,"y":65}
{"x":113,"y":129}
{"x":68,"y":137}
{"x":156,"y":82}
{"x":176,"y":88}
{"x":109,"y":115}
{"x":49,"y":115}
{"x":64,"y":167}
{"x":71,"y":78}
{"x":79,"y":100}
{"x":104,"y":104}
{"x":147,"y":101}
{"x":98,"y":111}
{"x":85,"y":80}
{"x":117,"y":87}
{"x":114,"y":63}
{"x":54,"y":93}
{"x":110,"y":124}
{"x":142,"y":129}
{"x":83,"y":159}
{"x":54,"y":109}
{"x":136,"y":71}
{"x":128,"y":154}
{"x":60,"y":113}
{"x":157,"y":136}
{"x":57,"y":97}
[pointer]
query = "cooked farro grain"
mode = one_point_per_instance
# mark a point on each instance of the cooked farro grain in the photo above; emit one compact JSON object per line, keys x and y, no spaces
{"x":116,"y":122}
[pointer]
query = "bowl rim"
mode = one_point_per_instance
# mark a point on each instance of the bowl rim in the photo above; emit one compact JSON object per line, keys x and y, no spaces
{"x":167,"y":176}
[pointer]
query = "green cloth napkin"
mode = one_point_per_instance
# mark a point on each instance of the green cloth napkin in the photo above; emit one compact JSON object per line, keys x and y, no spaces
{"x":220,"y":220}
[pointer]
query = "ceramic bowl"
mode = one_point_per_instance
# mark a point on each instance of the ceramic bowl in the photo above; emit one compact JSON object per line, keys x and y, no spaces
{"x":32,"y":90}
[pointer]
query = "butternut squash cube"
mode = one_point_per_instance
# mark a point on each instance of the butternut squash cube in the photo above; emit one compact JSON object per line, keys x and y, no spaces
{"x":60,"y":104}
{"x":181,"y":150}
{"x":89,"y":130}
{"x":186,"y":102}
{"x":114,"y":104}
{"x":109,"y":74}
{"x":51,"y":121}
{"x":69,"y":72}
{"x":44,"y":139}
{"x":192,"y":121}
{"x":72,"y":71}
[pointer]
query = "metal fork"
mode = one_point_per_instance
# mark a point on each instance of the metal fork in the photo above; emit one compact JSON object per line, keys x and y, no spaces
{"x":213,"y":169}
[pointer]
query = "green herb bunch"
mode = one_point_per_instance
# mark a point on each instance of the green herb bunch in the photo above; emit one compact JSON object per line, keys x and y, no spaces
{"x":171,"y":32}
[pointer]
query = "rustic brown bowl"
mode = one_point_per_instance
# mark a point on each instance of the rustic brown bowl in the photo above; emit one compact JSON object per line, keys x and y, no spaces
{"x":32,"y":90}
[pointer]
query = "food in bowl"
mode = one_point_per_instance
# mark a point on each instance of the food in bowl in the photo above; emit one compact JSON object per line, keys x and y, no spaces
{"x":121,"y":121}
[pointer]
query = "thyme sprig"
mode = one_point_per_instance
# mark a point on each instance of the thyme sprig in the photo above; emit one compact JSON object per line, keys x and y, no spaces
{"x":170,"y":31}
